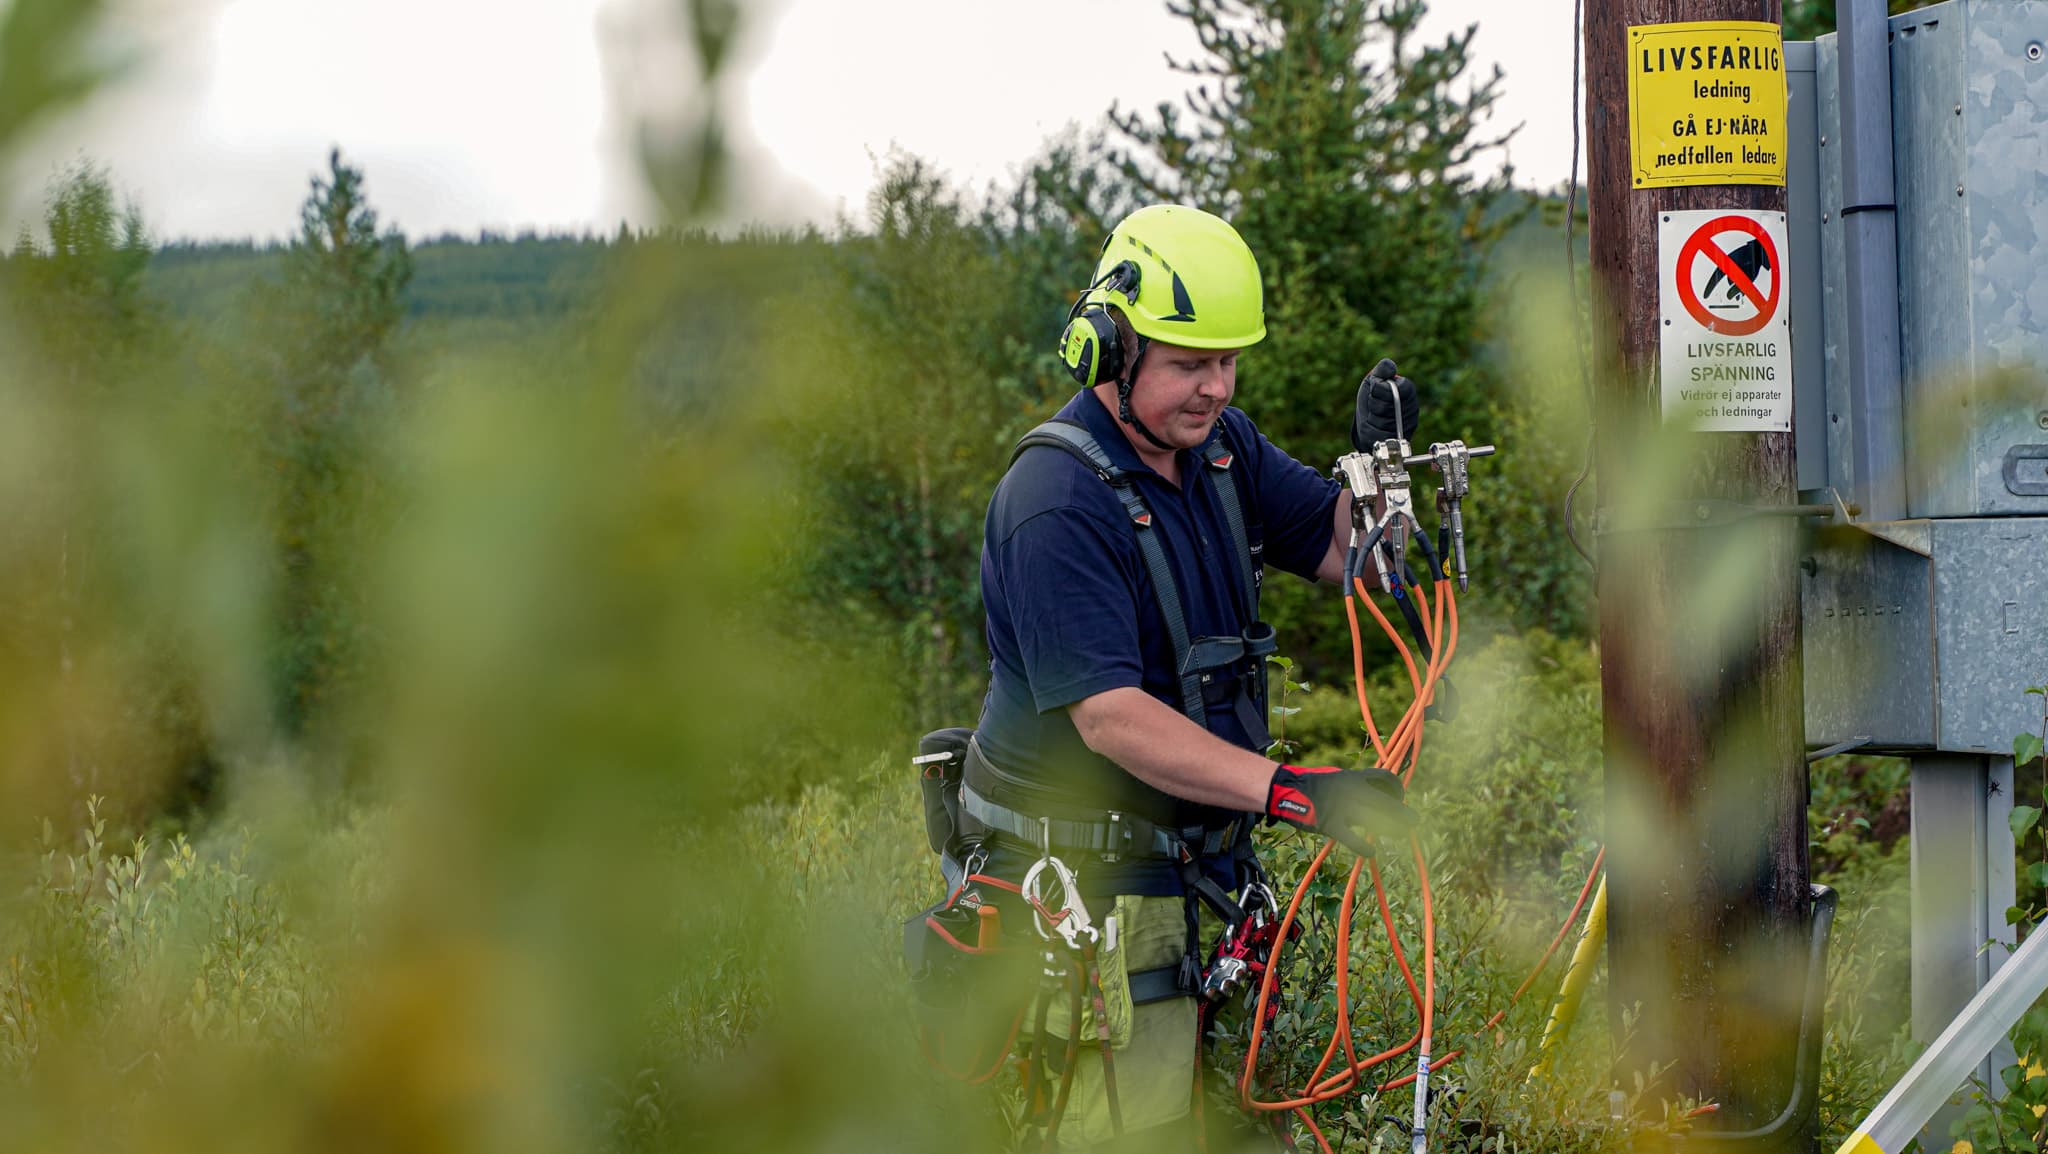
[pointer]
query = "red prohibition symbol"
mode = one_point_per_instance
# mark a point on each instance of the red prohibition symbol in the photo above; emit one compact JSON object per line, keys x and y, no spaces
{"x":1738,"y":270}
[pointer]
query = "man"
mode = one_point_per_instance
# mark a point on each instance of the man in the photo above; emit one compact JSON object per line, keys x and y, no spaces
{"x":1125,"y":719}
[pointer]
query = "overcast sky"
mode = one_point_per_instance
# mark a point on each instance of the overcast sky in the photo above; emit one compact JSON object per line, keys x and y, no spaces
{"x":509,"y":114}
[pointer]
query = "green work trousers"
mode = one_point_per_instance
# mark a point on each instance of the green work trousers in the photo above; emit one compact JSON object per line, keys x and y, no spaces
{"x":1154,"y":1047}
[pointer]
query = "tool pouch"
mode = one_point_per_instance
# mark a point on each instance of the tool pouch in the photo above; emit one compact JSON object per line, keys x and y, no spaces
{"x":971,"y":985}
{"x":1151,"y":933}
{"x":941,"y":758}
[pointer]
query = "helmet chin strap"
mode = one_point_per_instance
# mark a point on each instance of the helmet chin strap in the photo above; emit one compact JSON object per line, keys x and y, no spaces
{"x":1123,"y":401}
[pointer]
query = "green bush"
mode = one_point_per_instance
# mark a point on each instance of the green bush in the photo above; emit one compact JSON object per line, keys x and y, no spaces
{"x":123,"y":954}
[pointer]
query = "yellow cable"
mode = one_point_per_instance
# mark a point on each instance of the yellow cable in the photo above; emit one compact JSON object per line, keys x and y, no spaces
{"x":1580,"y":972}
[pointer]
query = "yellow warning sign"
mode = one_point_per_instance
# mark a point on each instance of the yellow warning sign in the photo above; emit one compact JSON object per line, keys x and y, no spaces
{"x":1706,"y":103}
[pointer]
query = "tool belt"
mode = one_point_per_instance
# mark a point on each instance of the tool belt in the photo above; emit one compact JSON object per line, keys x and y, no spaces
{"x":1114,"y":838}
{"x":938,"y":940}
{"x":960,"y":820}
{"x":1114,"y":835}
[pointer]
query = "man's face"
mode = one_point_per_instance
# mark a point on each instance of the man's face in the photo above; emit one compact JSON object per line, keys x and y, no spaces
{"x":1180,"y":392}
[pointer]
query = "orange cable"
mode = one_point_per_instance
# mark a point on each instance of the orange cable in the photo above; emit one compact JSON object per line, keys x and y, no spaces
{"x":1570,"y":920}
{"x":1358,"y":676}
{"x":1322,"y":1089}
{"x":1399,"y":752}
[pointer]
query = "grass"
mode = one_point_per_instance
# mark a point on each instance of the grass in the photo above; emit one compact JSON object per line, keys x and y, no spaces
{"x":280,"y":959}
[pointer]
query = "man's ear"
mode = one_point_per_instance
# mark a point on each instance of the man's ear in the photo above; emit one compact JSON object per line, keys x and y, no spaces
{"x":1134,"y":346}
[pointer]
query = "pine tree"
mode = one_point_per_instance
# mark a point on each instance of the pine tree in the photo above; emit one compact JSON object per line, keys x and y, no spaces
{"x":343,"y":298}
{"x":344,"y":281}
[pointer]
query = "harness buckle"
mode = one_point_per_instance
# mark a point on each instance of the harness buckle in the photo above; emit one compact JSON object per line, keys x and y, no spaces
{"x":1113,"y":838}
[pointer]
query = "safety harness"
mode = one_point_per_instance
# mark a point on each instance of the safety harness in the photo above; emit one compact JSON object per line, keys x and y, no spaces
{"x":1220,"y":668}
{"x":1209,"y":668}
{"x":1199,"y":661}
{"x":1212,"y":671}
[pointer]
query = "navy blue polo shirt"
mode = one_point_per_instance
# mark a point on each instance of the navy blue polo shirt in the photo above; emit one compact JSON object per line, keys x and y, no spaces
{"x":1070,"y":607}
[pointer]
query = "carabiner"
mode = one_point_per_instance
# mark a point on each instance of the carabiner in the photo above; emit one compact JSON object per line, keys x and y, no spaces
{"x":1071,"y":920}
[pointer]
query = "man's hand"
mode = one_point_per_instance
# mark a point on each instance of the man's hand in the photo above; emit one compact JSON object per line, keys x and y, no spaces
{"x":1352,"y":806}
{"x":1387,"y":407}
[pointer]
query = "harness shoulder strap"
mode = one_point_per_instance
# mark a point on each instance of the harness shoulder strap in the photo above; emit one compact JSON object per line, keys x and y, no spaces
{"x":1075,"y":441}
{"x":1220,"y":458}
{"x":1251,"y":574}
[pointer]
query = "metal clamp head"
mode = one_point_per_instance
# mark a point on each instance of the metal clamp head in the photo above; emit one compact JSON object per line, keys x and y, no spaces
{"x":1452,"y":461}
{"x":1356,"y":471}
{"x":1390,"y":462}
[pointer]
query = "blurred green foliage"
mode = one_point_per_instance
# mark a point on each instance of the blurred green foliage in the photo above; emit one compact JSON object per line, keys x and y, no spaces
{"x":455,"y":675}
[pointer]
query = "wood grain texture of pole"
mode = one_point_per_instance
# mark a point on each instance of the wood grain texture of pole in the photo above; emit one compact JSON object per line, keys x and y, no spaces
{"x":1700,"y":677}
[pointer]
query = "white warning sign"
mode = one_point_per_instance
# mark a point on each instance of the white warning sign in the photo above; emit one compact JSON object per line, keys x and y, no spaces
{"x":1725,"y":346}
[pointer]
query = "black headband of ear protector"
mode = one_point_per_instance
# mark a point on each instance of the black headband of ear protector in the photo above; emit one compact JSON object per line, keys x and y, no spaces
{"x":1122,"y":278}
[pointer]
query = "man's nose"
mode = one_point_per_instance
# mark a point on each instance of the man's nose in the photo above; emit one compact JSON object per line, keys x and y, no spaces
{"x":1215,"y":380}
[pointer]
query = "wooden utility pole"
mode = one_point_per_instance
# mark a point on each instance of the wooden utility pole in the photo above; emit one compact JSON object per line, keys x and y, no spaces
{"x":1700,"y":677}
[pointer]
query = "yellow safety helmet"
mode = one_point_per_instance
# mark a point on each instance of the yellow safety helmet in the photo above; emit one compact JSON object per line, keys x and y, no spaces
{"x":1175,"y":274}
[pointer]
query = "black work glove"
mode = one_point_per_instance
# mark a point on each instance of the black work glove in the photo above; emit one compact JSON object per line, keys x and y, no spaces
{"x":1350,"y":805}
{"x":1375,"y":419}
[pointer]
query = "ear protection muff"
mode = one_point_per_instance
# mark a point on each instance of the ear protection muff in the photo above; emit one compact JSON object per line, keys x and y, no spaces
{"x":1090,"y":346}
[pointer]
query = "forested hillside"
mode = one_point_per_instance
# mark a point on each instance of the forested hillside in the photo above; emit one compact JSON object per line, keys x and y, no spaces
{"x":493,"y":277}
{"x":532,"y":276}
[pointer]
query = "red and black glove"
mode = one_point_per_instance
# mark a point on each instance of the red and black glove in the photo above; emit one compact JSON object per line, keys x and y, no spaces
{"x":1351,"y":805}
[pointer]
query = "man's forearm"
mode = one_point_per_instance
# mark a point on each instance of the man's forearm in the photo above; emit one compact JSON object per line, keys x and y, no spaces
{"x":1167,"y":751}
{"x":1332,"y":568}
